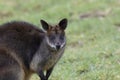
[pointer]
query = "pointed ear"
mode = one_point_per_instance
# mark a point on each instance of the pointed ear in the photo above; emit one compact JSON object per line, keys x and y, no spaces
{"x":63,"y":24}
{"x":44,"y":24}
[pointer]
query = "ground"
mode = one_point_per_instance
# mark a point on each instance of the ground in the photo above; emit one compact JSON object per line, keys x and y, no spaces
{"x":93,"y":34}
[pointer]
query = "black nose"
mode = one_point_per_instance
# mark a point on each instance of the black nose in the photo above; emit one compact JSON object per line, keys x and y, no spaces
{"x":57,"y":47}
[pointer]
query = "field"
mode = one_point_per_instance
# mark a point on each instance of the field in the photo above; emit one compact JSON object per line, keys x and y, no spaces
{"x":93,"y":34}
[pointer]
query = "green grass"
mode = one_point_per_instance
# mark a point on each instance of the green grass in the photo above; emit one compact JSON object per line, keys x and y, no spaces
{"x":93,"y":43}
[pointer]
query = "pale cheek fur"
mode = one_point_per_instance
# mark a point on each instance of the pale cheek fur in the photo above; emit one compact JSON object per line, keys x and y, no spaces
{"x":50,"y":44}
{"x":63,"y":44}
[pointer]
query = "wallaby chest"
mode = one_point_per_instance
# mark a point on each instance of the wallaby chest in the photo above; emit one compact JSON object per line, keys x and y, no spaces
{"x":52,"y":58}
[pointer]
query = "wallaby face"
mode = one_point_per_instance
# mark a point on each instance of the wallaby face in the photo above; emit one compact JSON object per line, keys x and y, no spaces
{"x":55,"y":35}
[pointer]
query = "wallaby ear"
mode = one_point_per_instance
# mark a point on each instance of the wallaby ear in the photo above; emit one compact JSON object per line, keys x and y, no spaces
{"x":63,"y":24}
{"x":44,"y":24}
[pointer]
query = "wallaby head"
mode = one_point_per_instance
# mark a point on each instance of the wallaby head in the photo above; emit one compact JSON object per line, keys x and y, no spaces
{"x":55,"y":35}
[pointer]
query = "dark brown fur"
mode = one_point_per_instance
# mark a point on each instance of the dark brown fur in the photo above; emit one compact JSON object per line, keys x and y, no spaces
{"x":20,"y":43}
{"x":10,"y":67}
{"x":23,"y":39}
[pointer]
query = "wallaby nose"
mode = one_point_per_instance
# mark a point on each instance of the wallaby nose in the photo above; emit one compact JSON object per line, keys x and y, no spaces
{"x":57,"y":47}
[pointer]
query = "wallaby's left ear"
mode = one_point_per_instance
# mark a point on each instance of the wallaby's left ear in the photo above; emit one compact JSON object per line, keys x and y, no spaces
{"x":63,"y":24}
{"x":44,"y":24}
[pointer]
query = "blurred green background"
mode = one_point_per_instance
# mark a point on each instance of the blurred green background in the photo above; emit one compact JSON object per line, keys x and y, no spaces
{"x":93,"y":34}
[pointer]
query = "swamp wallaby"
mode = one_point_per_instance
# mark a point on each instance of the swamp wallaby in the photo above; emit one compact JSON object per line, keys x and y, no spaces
{"x":25,"y":49}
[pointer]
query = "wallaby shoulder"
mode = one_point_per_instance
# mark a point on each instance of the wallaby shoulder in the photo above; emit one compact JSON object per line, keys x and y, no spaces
{"x":20,"y":32}
{"x":21,"y":37}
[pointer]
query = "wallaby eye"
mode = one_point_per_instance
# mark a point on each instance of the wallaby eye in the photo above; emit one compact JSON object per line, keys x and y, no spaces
{"x":61,"y":37}
{"x":52,"y":37}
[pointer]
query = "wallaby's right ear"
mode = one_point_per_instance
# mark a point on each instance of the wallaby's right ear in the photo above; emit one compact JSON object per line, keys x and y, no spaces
{"x":44,"y":24}
{"x":63,"y":23}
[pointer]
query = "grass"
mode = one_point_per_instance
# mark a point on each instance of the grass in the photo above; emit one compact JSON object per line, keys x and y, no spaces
{"x":93,"y":42}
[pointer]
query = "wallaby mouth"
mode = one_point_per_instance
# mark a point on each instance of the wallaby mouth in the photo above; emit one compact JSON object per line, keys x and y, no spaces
{"x":58,"y":47}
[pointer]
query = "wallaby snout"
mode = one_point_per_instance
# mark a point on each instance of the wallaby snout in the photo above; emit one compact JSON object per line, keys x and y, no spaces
{"x":58,"y":46}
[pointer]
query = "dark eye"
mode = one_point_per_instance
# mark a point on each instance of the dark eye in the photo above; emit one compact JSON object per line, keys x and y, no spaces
{"x":52,"y":37}
{"x":61,"y":37}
